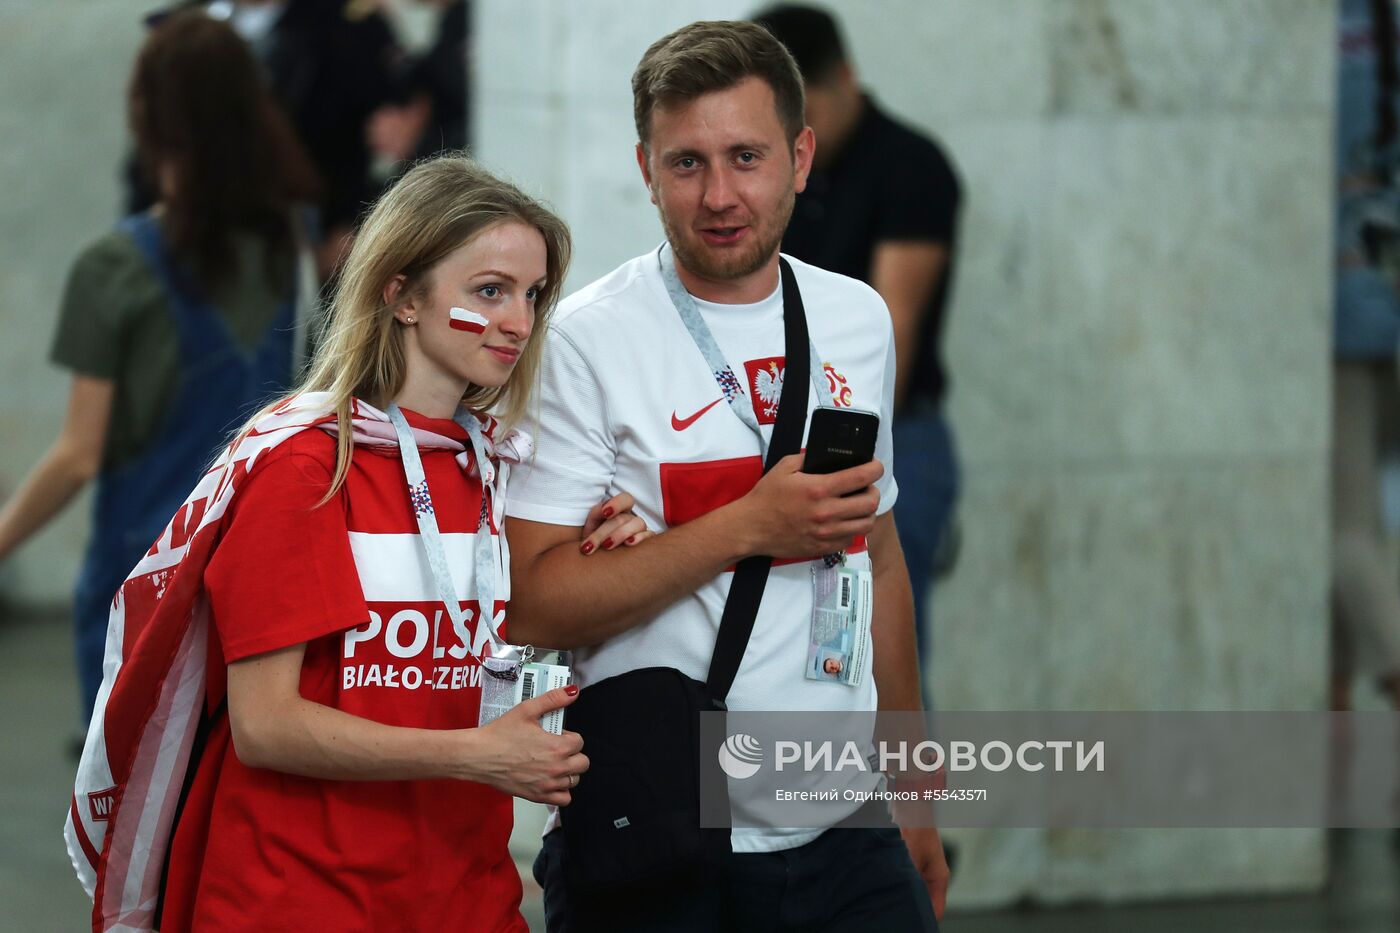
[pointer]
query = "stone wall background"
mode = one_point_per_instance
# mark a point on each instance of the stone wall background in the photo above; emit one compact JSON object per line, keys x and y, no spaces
{"x":63,"y":69}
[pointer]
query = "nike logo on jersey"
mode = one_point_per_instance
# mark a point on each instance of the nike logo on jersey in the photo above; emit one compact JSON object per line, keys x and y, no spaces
{"x":680,"y":424}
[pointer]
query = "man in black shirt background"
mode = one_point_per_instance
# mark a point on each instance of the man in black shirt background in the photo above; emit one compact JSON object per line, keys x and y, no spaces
{"x":881,"y":206}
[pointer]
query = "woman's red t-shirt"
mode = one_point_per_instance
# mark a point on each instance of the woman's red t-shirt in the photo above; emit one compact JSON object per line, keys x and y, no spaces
{"x":262,"y":850}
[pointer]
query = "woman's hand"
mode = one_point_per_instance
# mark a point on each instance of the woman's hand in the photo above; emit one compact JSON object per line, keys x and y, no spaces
{"x":515,"y":755}
{"x":274,"y":727}
{"x":613,"y":524}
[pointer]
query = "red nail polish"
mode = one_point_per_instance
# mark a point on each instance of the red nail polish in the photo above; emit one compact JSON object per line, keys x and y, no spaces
{"x":607,"y":545}
{"x":632,"y":540}
{"x":571,"y":690}
{"x":608,"y":512}
{"x":587,"y":547}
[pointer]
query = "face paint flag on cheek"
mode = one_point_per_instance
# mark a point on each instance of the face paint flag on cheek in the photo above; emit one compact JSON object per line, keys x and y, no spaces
{"x":470,"y":321}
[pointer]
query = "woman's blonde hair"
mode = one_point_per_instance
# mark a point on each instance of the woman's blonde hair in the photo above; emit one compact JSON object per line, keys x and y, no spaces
{"x":436,"y":207}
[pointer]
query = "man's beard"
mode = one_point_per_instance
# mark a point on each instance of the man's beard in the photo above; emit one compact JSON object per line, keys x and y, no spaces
{"x":729,"y":265}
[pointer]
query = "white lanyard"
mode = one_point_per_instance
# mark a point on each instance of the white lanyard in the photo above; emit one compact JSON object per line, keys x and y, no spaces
{"x":719,"y":367}
{"x":485,"y":563}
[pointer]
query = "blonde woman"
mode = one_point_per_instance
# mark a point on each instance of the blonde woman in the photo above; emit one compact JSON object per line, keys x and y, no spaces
{"x":349,"y":786}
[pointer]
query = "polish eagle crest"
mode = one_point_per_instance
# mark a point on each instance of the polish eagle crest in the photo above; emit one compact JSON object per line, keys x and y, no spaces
{"x":768,"y":386}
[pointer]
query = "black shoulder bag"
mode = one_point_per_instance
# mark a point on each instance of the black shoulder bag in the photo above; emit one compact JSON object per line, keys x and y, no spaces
{"x":635,"y":816}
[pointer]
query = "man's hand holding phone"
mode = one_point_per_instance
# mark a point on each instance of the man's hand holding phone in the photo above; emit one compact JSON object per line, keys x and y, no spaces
{"x":795,"y":514}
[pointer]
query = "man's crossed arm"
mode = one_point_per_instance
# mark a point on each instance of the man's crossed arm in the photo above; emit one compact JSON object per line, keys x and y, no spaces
{"x":563,"y":599}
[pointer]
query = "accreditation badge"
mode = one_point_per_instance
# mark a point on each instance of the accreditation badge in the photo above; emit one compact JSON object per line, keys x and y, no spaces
{"x":508,"y":682}
{"x":838,"y":650}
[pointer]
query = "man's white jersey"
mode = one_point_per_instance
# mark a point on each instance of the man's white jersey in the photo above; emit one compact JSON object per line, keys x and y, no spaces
{"x":628,"y":403}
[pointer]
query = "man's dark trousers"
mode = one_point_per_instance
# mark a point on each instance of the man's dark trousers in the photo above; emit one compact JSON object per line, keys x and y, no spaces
{"x":844,"y":881}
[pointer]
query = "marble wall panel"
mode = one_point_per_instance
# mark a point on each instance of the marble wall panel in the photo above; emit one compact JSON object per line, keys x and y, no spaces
{"x":996,"y":867}
{"x":605,"y":200}
{"x":516,"y":59}
{"x":991,"y":618}
{"x":63,"y":67}
{"x":995,"y":338}
{"x":604,"y":40}
{"x":1193,"y":588}
{"x":1191,"y":56}
{"x":1149,"y":864}
{"x":521,"y":142}
{"x":938,"y":60}
{"x":1189,"y":291}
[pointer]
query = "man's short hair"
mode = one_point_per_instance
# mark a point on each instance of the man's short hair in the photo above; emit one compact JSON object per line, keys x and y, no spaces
{"x":810,"y":34}
{"x":715,"y":56}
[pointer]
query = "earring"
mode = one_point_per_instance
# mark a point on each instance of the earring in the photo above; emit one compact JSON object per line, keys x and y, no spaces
{"x":410,"y":320}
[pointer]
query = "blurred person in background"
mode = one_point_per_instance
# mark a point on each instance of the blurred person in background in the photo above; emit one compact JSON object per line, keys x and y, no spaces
{"x":881,"y":205}
{"x":330,"y":64}
{"x":1366,"y":592}
{"x":1366,"y":399}
{"x":175,"y":324}
{"x":434,"y":117}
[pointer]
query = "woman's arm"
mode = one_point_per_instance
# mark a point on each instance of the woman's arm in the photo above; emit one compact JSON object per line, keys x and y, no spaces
{"x":275,"y":727}
{"x":70,"y":463}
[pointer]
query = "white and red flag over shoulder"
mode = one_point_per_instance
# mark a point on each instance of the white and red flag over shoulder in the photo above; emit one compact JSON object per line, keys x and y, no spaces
{"x":152,"y":698}
{"x":467,"y":320}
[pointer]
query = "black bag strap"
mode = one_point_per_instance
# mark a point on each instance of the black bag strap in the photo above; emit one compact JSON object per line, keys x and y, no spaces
{"x":751,"y":574}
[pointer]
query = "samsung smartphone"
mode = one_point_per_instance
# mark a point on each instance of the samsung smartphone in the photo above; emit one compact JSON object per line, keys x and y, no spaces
{"x":840,"y":438}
